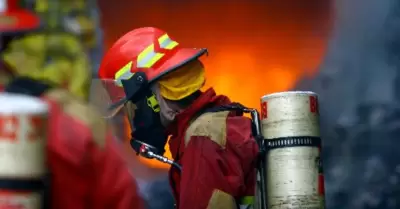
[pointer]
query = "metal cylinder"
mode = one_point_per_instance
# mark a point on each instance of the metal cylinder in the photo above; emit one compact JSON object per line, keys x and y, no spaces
{"x":290,"y":126}
{"x":23,"y":124}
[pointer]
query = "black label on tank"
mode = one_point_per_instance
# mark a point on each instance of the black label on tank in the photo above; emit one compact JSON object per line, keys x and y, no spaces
{"x":295,"y":141}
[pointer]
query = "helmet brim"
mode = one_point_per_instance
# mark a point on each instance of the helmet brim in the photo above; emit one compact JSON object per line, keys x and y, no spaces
{"x":18,"y":21}
{"x":182,"y":57}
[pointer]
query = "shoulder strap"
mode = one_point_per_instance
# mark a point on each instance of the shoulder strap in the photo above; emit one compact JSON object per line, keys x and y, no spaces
{"x":220,"y":108}
{"x":239,"y":108}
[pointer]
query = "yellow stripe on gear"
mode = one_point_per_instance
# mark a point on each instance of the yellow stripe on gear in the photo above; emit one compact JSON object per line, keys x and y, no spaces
{"x":171,"y":45}
{"x":123,"y":70}
{"x":247,"y":200}
{"x":148,"y":57}
{"x":183,"y":82}
{"x":145,"y":52}
{"x":153,"y":103}
{"x":165,"y":38}
{"x":123,"y":74}
{"x":153,"y":60}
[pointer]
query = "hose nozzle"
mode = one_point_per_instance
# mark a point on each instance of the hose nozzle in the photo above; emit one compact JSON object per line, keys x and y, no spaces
{"x":150,"y":152}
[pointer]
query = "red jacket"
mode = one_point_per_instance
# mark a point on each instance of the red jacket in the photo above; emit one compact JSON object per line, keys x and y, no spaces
{"x":87,"y":171}
{"x":217,"y":153}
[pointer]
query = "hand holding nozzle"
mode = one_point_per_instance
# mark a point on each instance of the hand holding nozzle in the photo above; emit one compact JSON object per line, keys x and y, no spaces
{"x":150,"y":152}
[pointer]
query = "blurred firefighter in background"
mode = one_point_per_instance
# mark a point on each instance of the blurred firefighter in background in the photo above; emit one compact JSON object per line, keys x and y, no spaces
{"x":67,"y":27}
{"x":79,"y":17}
{"x":148,"y":71}
{"x":86,"y":168}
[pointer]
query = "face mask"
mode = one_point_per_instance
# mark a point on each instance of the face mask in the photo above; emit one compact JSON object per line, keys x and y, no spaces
{"x":146,"y":125}
{"x":148,"y":135}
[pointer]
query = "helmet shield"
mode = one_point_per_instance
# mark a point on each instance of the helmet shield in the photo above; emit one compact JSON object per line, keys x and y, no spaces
{"x":100,"y":99}
{"x":141,"y":110}
{"x":102,"y":95}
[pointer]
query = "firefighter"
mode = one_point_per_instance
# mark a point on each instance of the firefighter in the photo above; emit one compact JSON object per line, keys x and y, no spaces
{"x":74,"y":15}
{"x":54,"y":57}
{"x":215,"y":150}
{"x":56,"y":50}
{"x":87,"y":170}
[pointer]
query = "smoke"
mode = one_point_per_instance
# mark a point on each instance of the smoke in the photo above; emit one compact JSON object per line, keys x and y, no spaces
{"x":157,"y":194}
{"x":393,"y":38}
{"x":358,"y":84}
{"x":356,"y":67}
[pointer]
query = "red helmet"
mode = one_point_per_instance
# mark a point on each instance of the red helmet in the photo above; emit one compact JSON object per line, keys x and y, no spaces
{"x":15,"y":19}
{"x":148,"y":50}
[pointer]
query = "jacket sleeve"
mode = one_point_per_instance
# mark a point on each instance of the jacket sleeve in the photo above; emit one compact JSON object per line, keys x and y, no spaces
{"x":114,"y":185}
{"x":218,"y":162}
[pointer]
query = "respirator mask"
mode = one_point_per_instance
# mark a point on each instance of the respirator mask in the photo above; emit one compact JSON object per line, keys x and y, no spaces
{"x":141,"y":106}
{"x":146,"y":125}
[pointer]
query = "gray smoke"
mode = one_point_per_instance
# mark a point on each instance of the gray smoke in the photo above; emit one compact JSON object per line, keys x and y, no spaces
{"x":356,"y":66}
{"x":157,"y":193}
{"x":358,"y":83}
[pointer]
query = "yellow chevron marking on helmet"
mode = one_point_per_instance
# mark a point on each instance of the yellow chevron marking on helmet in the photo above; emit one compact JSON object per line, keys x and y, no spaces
{"x":171,"y":45}
{"x":148,"y":50}
{"x":123,"y":74}
{"x":148,"y":57}
{"x":123,"y":70}
{"x":153,"y":60}
{"x":166,"y":42}
{"x":163,"y":38}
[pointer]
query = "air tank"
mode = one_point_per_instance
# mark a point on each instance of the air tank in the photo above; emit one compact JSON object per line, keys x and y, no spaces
{"x":23,"y":124}
{"x":290,"y":127}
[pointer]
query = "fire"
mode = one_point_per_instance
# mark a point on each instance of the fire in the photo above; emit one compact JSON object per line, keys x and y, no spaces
{"x":255,"y":47}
